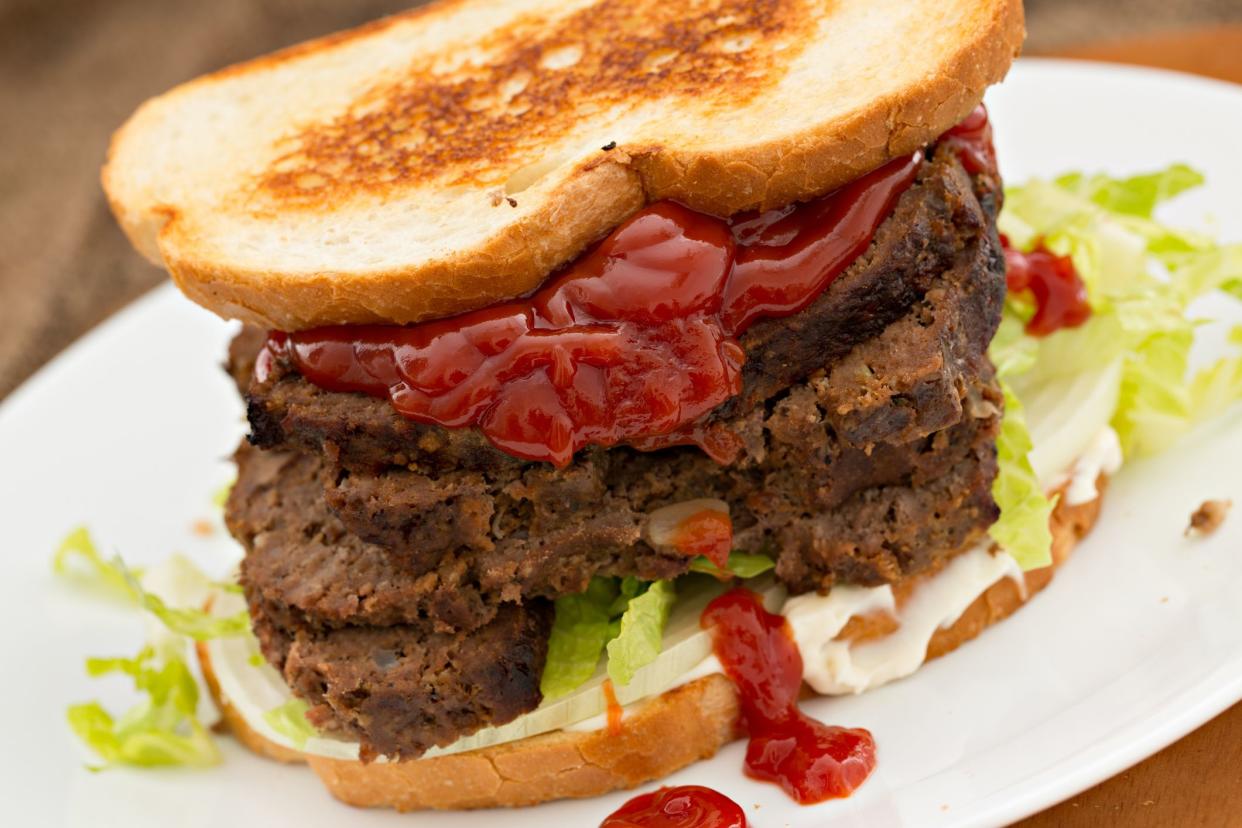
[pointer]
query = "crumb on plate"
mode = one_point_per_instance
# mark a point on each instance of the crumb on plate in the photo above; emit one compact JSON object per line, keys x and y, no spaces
{"x":1208,"y":517}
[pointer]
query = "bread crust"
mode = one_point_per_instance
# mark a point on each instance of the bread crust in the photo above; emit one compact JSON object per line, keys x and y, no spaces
{"x":234,"y":722}
{"x":185,"y":199}
{"x":661,"y":736}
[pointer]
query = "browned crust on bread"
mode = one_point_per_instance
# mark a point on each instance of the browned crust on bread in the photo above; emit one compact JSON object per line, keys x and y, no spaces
{"x":667,"y":733}
{"x":1069,"y":525}
{"x":662,"y":736}
{"x":235,"y":721}
{"x":719,"y":174}
{"x":723,"y":182}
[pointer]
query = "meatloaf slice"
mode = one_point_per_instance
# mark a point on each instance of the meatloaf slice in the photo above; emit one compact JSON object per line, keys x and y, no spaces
{"x":940,"y":235}
{"x":302,"y":567}
{"x":849,"y":520}
{"x":401,"y":690}
{"x":919,"y":399}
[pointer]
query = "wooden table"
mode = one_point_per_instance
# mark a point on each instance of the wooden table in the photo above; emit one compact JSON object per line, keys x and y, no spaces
{"x":66,"y":267}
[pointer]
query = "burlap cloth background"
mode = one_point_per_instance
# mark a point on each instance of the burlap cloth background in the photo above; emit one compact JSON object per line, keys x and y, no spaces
{"x":72,"y":70}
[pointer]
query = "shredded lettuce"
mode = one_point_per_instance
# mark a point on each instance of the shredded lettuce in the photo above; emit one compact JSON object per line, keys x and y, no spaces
{"x":579,"y":635}
{"x":118,"y":579}
{"x":194,"y":623}
{"x":1013,"y":351}
{"x":289,"y":720}
{"x":623,"y":616}
{"x":78,"y":558}
{"x":221,"y":495}
{"x":1137,"y":195}
{"x":159,"y":730}
{"x":740,"y":565}
{"x":1141,"y":277}
{"x":638,"y":641}
{"x":162,"y":729}
{"x":1022,"y":529}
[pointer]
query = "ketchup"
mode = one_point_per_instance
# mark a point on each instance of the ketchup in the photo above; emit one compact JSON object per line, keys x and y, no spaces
{"x":972,"y":139}
{"x":635,"y":342}
{"x":708,"y":533}
{"x":615,"y":711}
{"x":810,"y":760}
{"x":686,"y":806}
{"x":1059,"y":293}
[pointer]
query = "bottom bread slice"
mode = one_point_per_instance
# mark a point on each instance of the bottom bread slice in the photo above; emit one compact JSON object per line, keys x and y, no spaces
{"x":661,"y":736}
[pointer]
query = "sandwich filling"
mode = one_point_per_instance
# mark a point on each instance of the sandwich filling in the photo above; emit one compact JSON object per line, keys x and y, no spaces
{"x":411,"y":511}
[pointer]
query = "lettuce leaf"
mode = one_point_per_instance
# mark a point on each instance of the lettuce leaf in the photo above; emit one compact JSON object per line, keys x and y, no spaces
{"x":641,"y":634}
{"x":1138,"y":195}
{"x":77,"y":558}
{"x":1013,"y":351}
{"x":289,"y":720}
{"x":624,"y":616}
{"x":1022,"y":530}
{"x":159,"y":730}
{"x":579,"y":635}
{"x":740,"y":565}
{"x":118,"y":579}
{"x":1141,"y":277}
{"x":162,"y":729}
{"x":221,"y":495}
{"x":195,"y":623}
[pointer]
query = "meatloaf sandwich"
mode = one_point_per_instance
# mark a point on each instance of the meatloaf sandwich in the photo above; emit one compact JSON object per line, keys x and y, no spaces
{"x":562,"y":320}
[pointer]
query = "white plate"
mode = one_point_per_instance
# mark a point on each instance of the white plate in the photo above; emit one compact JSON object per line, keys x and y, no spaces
{"x":1138,"y":641}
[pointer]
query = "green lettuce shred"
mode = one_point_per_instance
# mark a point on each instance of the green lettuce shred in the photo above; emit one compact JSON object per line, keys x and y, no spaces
{"x":162,"y":728}
{"x":77,"y":558}
{"x":289,"y":720}
{"x":159,"y":730}
{"x":624,"y":617}
{"x":1141,"y":278}
{"x":221,"y":495}
{"x":579,"y":635}
{"x":639,"y":639}
{"x":117,"y":578}
{"x":739,"y":565}
{"x":1022,"y":529}
{"x":195,"y":623}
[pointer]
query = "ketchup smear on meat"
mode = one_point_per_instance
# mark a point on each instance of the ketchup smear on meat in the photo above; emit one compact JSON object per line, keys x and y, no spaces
{"x":635,"y":342}
{"x":686,"y":806}
{"x":812,"y":761}
{"x":708,"y":533}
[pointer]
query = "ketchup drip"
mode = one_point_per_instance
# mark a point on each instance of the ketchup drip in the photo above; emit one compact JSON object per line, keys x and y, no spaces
{"x":708,"y":533}
{"x":810,"y":760}
{"x":635,"y":342}
{"x":687,"y":806}
{"x":972,"y":139}
{"x":1059,"y":293}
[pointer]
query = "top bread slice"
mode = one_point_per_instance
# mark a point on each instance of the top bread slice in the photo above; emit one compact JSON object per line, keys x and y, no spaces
{"x":453,"y":156}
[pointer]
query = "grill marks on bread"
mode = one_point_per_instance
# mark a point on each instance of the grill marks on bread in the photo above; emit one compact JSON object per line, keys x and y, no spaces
{"x":345,"y":182}
{"x":474,"y":115}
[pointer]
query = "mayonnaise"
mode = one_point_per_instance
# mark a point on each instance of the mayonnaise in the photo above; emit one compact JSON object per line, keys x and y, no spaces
{"x":834,"y":667}
{"x":1102,"y":456}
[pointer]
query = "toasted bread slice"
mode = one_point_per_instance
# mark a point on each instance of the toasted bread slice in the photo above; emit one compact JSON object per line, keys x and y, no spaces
{"x":453,"y":156}
{"x":663,"y":735}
